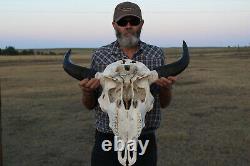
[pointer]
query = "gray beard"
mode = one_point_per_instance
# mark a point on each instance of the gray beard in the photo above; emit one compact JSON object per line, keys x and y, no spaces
{"x":128,"y":42}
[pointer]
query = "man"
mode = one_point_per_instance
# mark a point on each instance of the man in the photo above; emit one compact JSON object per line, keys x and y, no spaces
{"x":127,"y":23}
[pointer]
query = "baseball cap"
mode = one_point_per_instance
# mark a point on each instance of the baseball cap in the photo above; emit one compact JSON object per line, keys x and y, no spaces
{"x":126,"y":9}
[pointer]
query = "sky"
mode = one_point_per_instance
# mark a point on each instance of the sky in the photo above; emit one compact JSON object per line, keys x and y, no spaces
{"x":85,"y":24}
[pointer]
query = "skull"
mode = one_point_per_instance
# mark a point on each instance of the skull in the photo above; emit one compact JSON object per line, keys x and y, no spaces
{"x":126,"y":96}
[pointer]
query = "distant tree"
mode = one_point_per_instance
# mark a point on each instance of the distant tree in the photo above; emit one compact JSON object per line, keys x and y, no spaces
{"x":3,"y":52}
{"x":27,"y":52}
{"x":0,"y":51}
{"x":31,"y":52}
{"x":52,"y":53}
{"x":38,"y":53}
{"x":24,"y":52}
{"x":11,"y":51}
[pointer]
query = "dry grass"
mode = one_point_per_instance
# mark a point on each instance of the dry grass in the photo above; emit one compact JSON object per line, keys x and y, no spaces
{"x":207,"y":123}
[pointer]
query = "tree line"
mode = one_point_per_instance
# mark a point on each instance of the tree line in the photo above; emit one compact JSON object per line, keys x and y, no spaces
{"x":10,"y":50}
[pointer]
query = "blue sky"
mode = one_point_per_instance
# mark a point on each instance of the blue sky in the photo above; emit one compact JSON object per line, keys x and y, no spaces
{"x":78,"y":23}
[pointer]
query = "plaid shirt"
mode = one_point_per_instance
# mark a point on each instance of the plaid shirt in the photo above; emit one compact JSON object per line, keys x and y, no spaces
{"x":151,"y":56}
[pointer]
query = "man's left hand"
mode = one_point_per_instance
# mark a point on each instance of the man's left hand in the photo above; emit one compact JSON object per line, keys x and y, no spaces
{"x":166,"y":83}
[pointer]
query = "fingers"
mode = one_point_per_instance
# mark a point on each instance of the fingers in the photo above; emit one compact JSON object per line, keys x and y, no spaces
{"x":95,"y":84}
{"x":89,"y":85}
{"x":166,"y":82}
{"x":173,"y":79}
{"x":162,"y":82}
{"x":83,"y":82}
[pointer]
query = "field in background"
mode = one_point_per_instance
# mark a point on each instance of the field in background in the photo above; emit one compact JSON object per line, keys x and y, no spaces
{"x":206,"y":124}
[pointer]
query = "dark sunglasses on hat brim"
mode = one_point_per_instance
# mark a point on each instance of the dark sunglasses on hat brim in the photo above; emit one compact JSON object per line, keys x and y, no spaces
{"x":133,"y":21}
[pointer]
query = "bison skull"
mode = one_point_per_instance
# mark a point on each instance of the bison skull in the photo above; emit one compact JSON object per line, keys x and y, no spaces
{"x":126,"y":93}
{"x":126,"y":98}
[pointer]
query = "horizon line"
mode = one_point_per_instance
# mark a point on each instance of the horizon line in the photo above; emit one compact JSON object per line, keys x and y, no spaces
{"x":43,"y":48}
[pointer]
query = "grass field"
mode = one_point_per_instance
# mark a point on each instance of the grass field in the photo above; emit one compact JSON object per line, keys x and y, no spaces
{"x":206,"y":124}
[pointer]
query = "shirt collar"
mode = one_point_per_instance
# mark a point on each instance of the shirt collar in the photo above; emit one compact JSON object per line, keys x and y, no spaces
{"x":115,"y":48}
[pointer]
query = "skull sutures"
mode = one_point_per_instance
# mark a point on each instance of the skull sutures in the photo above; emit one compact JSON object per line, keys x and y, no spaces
{"x":126,"y":96}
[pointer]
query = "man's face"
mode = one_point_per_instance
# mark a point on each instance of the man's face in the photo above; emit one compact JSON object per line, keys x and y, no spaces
{"x":128,"y":30}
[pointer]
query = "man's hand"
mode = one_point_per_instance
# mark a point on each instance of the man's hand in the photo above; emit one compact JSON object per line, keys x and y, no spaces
{"x":88,"y":87}
{"x":166,"y":83}
{"x":165,"y":91}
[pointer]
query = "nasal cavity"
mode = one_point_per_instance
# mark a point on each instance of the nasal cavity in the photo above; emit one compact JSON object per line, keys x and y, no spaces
{"x":127,"y":67}
{"x":127,"y":104}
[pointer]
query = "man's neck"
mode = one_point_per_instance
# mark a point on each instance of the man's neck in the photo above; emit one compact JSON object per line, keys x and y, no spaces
{"x":130,"y":51}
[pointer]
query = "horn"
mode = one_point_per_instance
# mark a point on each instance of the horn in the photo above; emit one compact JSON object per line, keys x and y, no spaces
{"x":78,"y":72}
{"x":177,"y":67}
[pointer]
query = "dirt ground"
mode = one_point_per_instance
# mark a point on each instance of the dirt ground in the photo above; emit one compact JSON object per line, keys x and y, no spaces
{"x":206,"y":124}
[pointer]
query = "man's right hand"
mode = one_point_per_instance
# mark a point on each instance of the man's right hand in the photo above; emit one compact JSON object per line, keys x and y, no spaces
{"x":88,"y":86}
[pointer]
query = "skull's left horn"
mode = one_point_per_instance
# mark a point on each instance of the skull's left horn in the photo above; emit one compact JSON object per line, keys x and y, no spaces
{"x":177,"y":67}
{"x":76,"y":71}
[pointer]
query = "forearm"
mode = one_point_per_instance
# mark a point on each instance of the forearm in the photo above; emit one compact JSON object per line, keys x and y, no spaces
{"x":165,"y":97}
{"x":89,"y":100}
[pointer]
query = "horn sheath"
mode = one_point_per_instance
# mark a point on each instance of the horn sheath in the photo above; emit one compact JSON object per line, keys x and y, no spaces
{"x":78,"y":72}
{"x":177,"y":67}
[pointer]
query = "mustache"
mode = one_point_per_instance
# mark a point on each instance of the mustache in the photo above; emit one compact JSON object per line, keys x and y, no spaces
{"x":130,"y":30}
{"x":135,"y":34}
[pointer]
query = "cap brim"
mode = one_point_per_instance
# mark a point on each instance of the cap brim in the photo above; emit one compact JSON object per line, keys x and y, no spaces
{"x":126,"y":16}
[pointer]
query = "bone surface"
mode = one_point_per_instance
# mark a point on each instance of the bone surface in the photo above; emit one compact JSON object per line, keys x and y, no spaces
{"x":126,"y":98}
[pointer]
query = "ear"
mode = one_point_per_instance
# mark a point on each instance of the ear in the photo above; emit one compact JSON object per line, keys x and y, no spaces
{"x":114,"y":25}
{"x":142,"y":22}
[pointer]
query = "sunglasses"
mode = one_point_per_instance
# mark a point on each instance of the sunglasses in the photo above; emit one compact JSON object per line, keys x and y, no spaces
{"x":133,"y":21}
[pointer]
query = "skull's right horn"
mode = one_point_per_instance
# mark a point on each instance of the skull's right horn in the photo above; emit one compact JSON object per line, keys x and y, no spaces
{"x":177,"y":67}
{"x":76,"y":71}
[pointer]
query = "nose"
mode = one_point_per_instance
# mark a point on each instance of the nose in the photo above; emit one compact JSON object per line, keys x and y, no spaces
{"x":128,"y":25}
